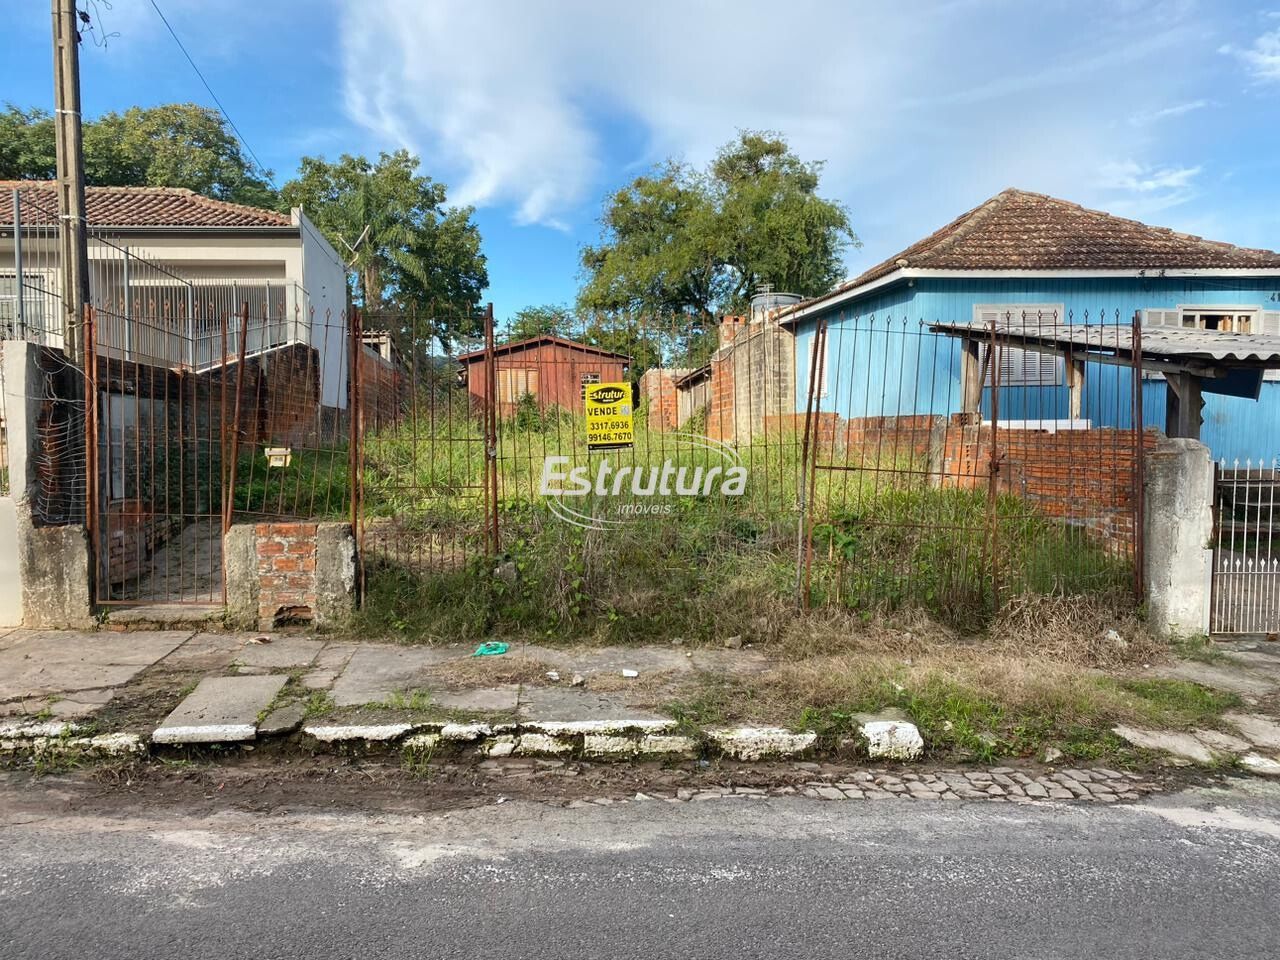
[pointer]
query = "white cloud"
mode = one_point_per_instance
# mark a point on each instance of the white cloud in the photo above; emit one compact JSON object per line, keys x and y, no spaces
{"x":1262,"y":59}
{"x":925,"y":109}
{"x":1165,"y":113}
{"x":1129,"y":175}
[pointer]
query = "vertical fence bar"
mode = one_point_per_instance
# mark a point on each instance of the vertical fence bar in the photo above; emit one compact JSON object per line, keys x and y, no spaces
{"x":17,"y":264}
{"x":993,"y":467}
{"x":230,"y":496}
{"x":1139,"y":462}
{"x":491,"y":436}
{"x":90,"y":447}
{"x":356,"y":479}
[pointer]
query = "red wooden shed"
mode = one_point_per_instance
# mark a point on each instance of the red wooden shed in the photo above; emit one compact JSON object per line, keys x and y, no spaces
{"x":551,"y":369}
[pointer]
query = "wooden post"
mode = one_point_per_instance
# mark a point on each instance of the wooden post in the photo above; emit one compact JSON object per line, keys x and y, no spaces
{"x":1183,"y":406}
{"x":1075,"y":387}
{"x":971,"y":377}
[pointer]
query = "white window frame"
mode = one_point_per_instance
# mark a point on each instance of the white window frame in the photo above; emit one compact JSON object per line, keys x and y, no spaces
{"x":1263,"y":321}
{"x":1015,"y":358}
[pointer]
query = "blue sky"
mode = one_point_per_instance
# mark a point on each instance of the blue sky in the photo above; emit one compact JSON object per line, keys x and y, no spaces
{"x":1163,"y":110}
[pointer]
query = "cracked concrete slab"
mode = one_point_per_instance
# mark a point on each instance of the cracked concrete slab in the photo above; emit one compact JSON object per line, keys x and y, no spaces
{"x":1183,"y":745}
{"x":1260,"y":730}
{"x":330,"y":662}
{"x":1233,"y":679}
{"x":59,"y":662}
{"x":500,"y":699}
{"x":373,"y":674}
{"x":206,"y":651}
{"x":219,"y":710}
{"x":282,"y":653}
{"x":558,"y":703}
{"x":594,"y":660}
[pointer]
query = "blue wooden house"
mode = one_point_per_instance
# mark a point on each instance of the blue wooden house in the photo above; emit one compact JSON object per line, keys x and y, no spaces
{"x":1027,"y":258}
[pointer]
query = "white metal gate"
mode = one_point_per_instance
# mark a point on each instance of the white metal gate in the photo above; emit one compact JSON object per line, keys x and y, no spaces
{"x":1246,"y":554}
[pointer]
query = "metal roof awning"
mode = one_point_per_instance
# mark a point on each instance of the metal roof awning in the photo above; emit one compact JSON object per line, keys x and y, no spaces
{"x":1192,"y":361}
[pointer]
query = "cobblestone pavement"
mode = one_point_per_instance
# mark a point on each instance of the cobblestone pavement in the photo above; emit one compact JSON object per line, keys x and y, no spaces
{"x":994,"y":785}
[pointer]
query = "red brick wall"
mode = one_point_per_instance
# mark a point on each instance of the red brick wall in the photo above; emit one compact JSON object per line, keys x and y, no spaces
{"x":133,"y":533}
{"x":658,"y":386}
{"x":286,"y":572}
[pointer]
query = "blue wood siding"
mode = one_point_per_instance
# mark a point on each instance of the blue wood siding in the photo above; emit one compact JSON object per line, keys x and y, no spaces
{"x":883,"y":361}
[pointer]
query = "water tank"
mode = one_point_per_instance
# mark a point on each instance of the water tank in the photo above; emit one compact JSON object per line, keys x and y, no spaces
{"x":762,"y":304}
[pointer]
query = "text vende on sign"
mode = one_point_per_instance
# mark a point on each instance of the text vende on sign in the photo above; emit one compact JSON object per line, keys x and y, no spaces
{"x":609,"y":421}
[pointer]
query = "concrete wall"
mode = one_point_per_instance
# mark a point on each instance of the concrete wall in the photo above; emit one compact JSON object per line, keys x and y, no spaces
{"x":1178,"y":531}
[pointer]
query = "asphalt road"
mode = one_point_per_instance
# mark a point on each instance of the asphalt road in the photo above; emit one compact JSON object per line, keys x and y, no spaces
{"x":1189,"y":875}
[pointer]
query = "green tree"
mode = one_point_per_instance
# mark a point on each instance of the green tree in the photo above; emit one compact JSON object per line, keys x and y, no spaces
{"x":173,"y":145}
{"x":682,"y":241}
{"x":408,"y":250}
{"x":528,"y":322}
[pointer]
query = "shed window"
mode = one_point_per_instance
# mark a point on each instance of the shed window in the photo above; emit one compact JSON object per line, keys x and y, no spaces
{"x":1216,"y":319}
{"x":515,"y":383}
{"x":1018,"y":367}
{"x":591,"y":376}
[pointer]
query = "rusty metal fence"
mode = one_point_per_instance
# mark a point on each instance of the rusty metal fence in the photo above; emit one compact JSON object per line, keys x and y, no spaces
{"x":957,"y":466}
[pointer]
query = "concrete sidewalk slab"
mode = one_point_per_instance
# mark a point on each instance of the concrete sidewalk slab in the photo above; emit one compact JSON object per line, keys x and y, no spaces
{"x":374,"y":673}
{"x":220,"y":709}
{"x":281,"y":653}
{"x":500,"y":699}
{"x":571,"y":704}
{"x":610,"y":660}
{"x":206,"y":651}
{"x":330,"y":662}
{"x":44,"y":663}
{"x":1234,"y":679}
{"x":1262,"y":731}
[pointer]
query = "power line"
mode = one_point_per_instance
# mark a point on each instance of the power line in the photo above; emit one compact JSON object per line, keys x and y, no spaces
{"x":230,"y":122}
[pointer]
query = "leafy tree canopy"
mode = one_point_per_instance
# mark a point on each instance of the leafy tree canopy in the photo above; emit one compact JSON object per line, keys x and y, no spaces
{"x":174,"y":145}
{"x":685,"y":241}
{"x":528,"y":322}
{"x":408,"y":250}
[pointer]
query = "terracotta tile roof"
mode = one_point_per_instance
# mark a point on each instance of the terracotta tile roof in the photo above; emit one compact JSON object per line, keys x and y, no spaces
{"x":1018,"y":230}
{"x":136,"y":207}
{"x":532,"y":342}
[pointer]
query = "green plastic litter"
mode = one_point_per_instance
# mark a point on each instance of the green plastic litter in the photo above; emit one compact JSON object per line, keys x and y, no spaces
{"x":491,"y":648}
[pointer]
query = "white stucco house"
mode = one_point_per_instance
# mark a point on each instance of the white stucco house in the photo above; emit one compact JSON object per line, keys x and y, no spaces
{"x":169,"y":268}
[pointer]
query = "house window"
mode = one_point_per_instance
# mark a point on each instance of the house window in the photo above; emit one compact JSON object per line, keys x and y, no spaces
{"x":514,"y":383}
{"x":33,"y":298}
{"x":591,"y":376}
{"x":1019,"y":367}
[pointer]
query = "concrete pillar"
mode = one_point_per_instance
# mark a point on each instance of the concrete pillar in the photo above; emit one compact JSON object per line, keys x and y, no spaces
{"x":1177,"y":536}
{"x":45,"y":579}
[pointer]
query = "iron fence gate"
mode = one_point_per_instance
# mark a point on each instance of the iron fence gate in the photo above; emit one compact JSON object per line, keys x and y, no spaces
{"x":1246,"y":549}
{"x":426,"y":438}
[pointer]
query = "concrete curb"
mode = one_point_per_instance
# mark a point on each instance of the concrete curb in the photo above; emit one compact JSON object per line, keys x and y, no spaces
{"x":622,"y":740}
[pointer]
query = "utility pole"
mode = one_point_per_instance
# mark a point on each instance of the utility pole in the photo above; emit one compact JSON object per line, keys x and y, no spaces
{"x":73,"y":242}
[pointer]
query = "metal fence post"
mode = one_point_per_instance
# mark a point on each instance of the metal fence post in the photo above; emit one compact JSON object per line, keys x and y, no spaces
{"x":17,"y":264}
{"x":491,"y":436}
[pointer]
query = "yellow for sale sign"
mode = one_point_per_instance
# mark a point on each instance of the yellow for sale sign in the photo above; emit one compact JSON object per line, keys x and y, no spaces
{"x":609,"y":423}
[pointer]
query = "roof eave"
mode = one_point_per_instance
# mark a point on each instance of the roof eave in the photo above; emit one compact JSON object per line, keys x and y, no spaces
{"x":820,"y":304}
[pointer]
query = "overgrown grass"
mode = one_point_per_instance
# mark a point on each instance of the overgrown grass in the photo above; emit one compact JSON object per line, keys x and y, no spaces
{"x":967,"y":704}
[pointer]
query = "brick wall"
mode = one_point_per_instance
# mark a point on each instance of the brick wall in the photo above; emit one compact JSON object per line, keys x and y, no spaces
{"x":658,"y":386}
{"x":384,"y":391}
{"x":133,"y":532}
{"x":286,"y":555}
